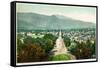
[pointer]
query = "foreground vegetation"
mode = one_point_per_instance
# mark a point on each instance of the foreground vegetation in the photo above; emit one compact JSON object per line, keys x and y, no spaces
{"x":37,"y":49}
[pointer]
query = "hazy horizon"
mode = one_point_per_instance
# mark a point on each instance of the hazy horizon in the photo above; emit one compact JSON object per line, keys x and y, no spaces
{"x":87,"y":14}
{"x":58,"y":15}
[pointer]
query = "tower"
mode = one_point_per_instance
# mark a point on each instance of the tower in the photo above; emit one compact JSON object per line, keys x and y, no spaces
{"x":59,"y":47}
{"x":60,"y":34}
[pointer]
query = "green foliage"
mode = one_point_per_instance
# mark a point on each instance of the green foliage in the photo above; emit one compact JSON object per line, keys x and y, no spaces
{"x":67,"y":41}
{"x":91,"y":46}
{"x":20,"y":45}
{"x":34,"y":49}
{"x":49,"y":36}
{"x":37,"y":49}
{"x":59,"y":57}
{"x":83,"y":50}
{"x":73,"y":46}
{"x":31,"y":53}
{"x":49,"y":42}
{"x":28,"y":40}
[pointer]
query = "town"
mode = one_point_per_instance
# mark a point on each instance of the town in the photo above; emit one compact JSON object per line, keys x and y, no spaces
{"x":79,"y":36}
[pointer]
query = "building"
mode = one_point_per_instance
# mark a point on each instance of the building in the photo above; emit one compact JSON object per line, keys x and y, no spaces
{"x":59,"y":47}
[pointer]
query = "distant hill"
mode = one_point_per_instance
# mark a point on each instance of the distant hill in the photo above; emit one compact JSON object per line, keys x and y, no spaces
{"x":34,"y":21}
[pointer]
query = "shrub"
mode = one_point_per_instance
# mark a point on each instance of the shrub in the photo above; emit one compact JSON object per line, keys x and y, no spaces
{"x":31,"y":53}
{"x":59,"y":57}
{"x":83,"y":50}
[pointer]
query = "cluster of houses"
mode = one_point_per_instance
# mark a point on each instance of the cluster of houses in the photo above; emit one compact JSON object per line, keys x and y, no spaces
{"x":82,"y":36}
{"x":79,"y":36}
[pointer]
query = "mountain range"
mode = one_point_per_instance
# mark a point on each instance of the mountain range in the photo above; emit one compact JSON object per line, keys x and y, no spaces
{"x":34,"y":21}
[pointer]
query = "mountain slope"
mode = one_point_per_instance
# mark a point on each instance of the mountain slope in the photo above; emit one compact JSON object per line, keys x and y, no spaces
{"x":33,"y":21}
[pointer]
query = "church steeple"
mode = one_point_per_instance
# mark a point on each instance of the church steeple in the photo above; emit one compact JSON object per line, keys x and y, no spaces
{"x":60,"y":34}
{"x":59,"y":47}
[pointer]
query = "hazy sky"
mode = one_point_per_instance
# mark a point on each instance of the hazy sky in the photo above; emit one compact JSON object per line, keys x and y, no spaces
{"x":87,"y":14}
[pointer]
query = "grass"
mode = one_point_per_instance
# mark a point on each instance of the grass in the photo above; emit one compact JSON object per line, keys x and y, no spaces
{"x":59,"y":57}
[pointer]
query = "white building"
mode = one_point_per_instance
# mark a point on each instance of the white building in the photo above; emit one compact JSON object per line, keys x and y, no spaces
{"x":59,"y":47}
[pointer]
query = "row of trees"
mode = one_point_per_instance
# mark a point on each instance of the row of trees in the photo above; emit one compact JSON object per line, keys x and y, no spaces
{"x":37,"y":49}
{"x":83,"y":50}
{"x":34,"y":49}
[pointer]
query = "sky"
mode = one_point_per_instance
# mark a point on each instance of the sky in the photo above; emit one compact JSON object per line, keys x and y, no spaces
{"x":87,"y":14}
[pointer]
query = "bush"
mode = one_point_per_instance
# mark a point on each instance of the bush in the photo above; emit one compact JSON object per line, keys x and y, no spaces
{"x":83,"y":50}
{"x":59,"y":57}
{"x":31,"y":53}
{"x":48,"y":42}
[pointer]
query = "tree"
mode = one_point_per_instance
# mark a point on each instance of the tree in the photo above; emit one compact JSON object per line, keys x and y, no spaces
{"x":67,"y":41}
{"x":73,"y":46}
{"x":28,"y":40}
{"x":20,"y":45}
{"x":49,"y":42}
{"x":83,"y":50}
{"x":32,"y":53}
